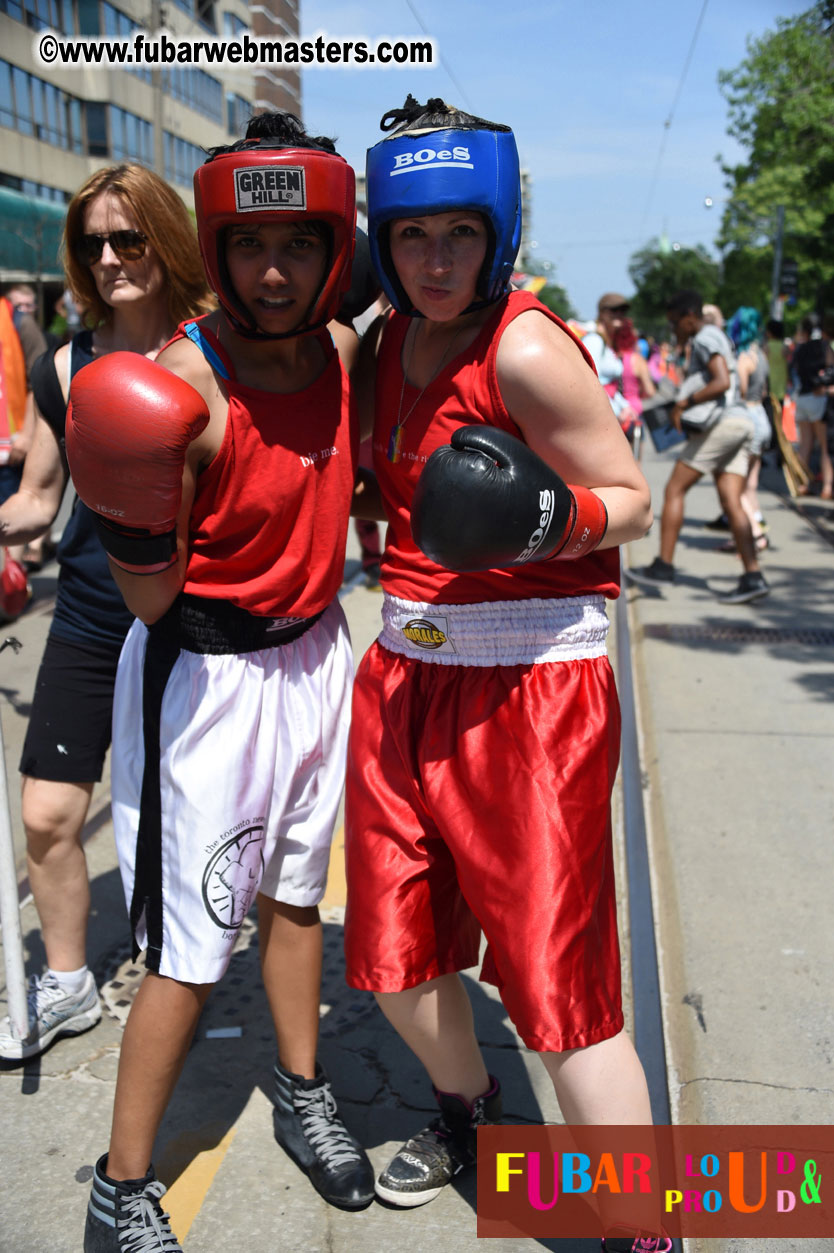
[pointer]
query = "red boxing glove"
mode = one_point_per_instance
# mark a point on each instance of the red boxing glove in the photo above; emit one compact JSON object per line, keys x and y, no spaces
{"x":129,"y":425}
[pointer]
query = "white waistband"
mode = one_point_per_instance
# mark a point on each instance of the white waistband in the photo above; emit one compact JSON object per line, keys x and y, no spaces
{"x":496,"y":633}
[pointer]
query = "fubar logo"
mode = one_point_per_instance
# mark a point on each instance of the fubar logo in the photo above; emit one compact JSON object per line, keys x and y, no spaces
{"x":427,"y":158}
{"x":265,"y":187}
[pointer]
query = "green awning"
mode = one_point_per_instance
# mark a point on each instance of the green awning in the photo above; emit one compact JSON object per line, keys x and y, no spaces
{"x":30,"y":236}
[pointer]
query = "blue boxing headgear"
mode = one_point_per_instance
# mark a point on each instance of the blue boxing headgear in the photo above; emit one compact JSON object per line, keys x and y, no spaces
{"x":422,"y":172}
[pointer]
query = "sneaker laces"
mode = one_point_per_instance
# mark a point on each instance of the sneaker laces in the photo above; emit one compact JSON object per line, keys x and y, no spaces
{"x":651,"y":1244}
{"x":145,"y":1227}
{"x":42,"y":993}
{"x":324,"y":1131}
{"x":437,"y":1138}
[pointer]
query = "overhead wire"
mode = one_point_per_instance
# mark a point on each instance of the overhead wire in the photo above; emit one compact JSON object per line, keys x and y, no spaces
{"x":668,"y":122}
{"x":464,"y":99}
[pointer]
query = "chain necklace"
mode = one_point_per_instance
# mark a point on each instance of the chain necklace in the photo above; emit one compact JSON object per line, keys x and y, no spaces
{"x":395,"y":439}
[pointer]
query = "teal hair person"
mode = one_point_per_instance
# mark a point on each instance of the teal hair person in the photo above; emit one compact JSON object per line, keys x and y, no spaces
{"x":744,"y":327}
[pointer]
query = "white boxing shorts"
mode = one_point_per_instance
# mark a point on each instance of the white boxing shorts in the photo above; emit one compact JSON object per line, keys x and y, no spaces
{"x":227,"y":772}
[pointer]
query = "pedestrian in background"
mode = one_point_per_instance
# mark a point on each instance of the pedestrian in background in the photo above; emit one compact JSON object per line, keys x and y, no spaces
{"x":719,"y":445}
{"x":812,"y":356}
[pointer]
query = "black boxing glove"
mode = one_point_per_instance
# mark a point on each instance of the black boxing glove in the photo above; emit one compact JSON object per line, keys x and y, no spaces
{"x":487,"y":501}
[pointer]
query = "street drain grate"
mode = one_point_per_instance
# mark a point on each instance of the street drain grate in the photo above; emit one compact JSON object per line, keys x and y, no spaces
{"x":728,"y":633}
{"x":238,"y":1005}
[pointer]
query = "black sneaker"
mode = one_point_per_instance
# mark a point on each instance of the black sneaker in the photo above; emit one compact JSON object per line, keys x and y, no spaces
{"x":659,"y":574}
{"x":308,"y":1126}
{"x":432,"y":1158}
{"x":751,"y":586}
{"x":126,"y":1215}
{"x":721,"y":523}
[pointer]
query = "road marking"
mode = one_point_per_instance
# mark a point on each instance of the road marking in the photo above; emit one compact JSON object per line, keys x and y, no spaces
{"x":186,"y":1194}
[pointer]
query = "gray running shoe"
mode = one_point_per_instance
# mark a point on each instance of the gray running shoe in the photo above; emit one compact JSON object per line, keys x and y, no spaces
{"x":432,"y":1158}
{"x":124,"y":1216}
{"x":52,"y":1012}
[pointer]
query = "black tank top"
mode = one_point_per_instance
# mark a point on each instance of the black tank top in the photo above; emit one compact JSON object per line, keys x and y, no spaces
{"x":89,"y":607}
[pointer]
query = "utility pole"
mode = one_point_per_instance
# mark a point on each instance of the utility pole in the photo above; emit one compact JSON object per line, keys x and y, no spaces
{"x":776,"y":303}
{"x":156,"y":82}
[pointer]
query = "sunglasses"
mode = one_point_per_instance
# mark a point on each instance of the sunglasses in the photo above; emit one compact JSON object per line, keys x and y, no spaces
{"x":620,"y":310}
{"x":127,"y":245}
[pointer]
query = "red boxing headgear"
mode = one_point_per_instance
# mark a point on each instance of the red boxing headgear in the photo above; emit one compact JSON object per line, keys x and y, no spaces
{"x":261,"y":182}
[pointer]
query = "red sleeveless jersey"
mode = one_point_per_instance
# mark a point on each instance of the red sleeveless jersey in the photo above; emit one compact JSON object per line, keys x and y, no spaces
{"x":465,"y":393}
{"x":270,"y":516}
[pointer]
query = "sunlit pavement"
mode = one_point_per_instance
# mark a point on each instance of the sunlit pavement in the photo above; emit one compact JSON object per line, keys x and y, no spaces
{"x":737,"y":736}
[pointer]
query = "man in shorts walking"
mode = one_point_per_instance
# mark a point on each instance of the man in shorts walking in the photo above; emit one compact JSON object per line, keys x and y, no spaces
{"x":722,"y":449}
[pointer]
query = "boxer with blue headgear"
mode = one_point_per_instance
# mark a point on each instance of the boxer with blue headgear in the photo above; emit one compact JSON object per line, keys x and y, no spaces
{"x":484,"y":733}
{"x":438,"y":160}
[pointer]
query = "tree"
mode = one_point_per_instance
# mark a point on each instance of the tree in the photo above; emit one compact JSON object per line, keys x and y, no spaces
{"x":781,"y":111}
{"x":659,"y":271}
{"x":558,"y":301}
{"x":746,"y":279}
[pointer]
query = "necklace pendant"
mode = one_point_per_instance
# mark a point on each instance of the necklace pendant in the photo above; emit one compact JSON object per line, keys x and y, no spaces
{"x":395,"y":440}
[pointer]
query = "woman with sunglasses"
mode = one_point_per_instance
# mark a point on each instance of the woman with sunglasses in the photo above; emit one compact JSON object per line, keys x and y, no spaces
{"x":485,"y":729}
{"x":133,"y":266}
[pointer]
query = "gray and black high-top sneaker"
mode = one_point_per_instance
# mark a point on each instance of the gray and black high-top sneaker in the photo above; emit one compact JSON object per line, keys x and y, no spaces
{"x":124,"y":1215}
{"x":308,"y":1126}
{"x":432,"y":1158}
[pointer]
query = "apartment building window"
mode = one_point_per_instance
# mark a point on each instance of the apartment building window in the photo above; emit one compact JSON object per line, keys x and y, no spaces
{"x":118,"y":25}
{"x":197,"y":89}
{"x":34,"y":107}
{"x":41,"y":14}
{"x":232,"y":25}
{"x":238,"y":113}
{"x":181,"y":159}
{"x":201,"y":11}
{"x":39,"y":190}
{"x":131,"y":137}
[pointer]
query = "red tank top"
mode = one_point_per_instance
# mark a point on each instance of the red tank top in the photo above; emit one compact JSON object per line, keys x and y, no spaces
{"x":465,"y":393}
{"x":270,"y":516}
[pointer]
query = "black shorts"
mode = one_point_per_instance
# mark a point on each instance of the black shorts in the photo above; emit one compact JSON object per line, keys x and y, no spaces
{"x":72,"y":710}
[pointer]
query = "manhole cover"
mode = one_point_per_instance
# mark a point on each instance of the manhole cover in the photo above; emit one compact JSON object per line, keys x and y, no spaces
{"x":238,"y":1005}
{"x":729,"y":633}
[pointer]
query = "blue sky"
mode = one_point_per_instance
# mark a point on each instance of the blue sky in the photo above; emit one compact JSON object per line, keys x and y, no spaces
{"x":586,"y":87}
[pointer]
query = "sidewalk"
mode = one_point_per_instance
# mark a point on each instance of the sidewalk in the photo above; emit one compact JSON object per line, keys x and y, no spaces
{"x":736,"y":710}
{"x":737,"y":755}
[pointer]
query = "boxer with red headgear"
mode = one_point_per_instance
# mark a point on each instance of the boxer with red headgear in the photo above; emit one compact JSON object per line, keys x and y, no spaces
{"x":224,"y":505}
{"x":508,"y":485}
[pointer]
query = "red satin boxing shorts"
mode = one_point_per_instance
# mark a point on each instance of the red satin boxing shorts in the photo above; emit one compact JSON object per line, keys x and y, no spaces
{"x":478,"y":798}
